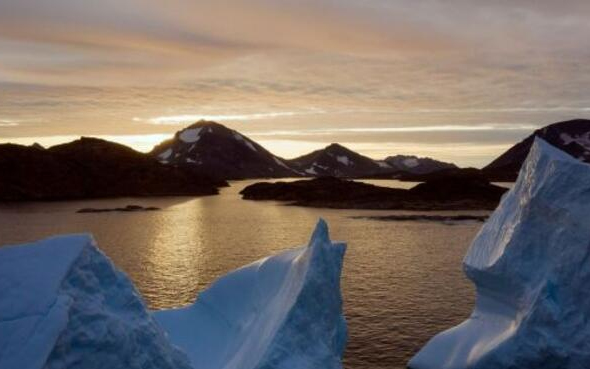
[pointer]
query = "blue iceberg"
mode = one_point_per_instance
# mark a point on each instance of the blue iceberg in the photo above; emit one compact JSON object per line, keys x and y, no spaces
{"x":530,"y":264}
{"x":63,"y":304}
{"x":284,"y":311}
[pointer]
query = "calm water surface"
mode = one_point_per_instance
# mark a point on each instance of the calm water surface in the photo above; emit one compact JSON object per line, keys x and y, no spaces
{"x":402,"y":281}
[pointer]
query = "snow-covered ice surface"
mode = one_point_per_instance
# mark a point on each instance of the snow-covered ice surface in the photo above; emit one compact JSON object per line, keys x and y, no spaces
{"x":64,"y":305}
{"x":530,"y":264}
{"x":281,"y":312}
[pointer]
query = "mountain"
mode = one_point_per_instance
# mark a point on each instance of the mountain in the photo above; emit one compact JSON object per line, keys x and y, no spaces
{"x":571,"y":136}
{"x":91,"y":168}
{"x":337,"y":161}
{"x":220,"y":152}
{"x":415,"y":165}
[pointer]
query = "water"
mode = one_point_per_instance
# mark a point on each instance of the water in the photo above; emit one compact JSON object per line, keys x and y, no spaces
{"x":402,"y":281}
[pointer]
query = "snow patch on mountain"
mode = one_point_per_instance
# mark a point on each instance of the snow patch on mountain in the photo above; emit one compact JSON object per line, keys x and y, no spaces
{"x":344,"y":160}
{"x":165,"y":155}
{"x":582,"y":140}
{"x":531,"y":270}
{"x":411,"y":162}
{"x":281,"y":312}
{"x":279,"y":162}
{"x":383,"y":164}
{"x":190,"y":135}
{"x":241,"y":138}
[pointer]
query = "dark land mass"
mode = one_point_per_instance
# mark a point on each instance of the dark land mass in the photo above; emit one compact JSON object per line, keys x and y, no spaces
{"x":128,"y":208}
{"x":93,"y":168}
{"x":424,"y":217}
{"x":330,"y":192}
{"x":571,"y":136}
{"x":449,"y":173}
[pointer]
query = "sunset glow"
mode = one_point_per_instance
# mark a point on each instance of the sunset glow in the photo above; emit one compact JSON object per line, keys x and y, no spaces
{"x":382,"y":75}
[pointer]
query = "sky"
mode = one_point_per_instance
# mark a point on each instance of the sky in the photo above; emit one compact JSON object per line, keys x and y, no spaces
{"x":457,"y":80}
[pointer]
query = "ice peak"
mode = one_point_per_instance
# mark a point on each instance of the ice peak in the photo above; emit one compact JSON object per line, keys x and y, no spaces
{"x":321,"y":234}
{"x":530,"y":266}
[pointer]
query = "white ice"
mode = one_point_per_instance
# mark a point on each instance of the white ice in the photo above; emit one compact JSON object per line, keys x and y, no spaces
{"x":530,"y":264}
{"x":281,"y":312}
{"x":64,"y":305}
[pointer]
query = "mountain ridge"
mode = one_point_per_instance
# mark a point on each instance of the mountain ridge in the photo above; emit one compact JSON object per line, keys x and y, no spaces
{"x":92,"y":168}
{"x":570,"y":136}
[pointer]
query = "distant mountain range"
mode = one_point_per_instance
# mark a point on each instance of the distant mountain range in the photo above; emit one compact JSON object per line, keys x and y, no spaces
{"x":572,"y":136}
{"x":199,"y":158}
{"x":224,"y":153}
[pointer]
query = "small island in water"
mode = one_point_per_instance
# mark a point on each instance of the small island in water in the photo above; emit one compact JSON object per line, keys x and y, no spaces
{"x":445,"y":193}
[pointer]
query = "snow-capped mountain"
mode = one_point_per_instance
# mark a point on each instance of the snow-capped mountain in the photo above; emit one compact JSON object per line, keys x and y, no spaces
{"x":337,"y":161}
{"x":415,"y":165}
{"x":571,"y":136}
{"x":220,"y":152}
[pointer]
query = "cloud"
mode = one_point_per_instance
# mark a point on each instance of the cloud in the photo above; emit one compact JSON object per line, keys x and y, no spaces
{"x":70,"y":67}
{"x":8,"y":123}
{"x":191,"y":118}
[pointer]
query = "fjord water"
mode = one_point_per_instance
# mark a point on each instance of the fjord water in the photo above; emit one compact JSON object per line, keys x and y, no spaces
{"x":402,"y":281}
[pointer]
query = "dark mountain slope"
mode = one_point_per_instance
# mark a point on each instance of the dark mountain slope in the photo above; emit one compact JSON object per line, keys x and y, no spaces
{"x":91,"y":168}
{"x":220,"y":152}
{"x":571,"y":136}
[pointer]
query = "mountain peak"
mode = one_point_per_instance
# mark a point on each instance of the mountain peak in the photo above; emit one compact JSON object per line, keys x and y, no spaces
{"x":337,"y":161}
{"x":335,"y":146}
{"x":207,"y":124}
{"x":220,"y":152}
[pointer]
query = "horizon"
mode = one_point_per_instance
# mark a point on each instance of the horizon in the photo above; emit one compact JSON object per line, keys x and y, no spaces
{"x":382,"y":78}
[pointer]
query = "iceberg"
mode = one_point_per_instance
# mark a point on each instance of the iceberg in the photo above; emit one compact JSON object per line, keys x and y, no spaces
{"x":63,"y":304}
{"x":281,"y":312}
{"x":530,"y":264}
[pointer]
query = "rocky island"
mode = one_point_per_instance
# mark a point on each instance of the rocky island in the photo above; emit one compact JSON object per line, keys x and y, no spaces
{"x":447,"y":193}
